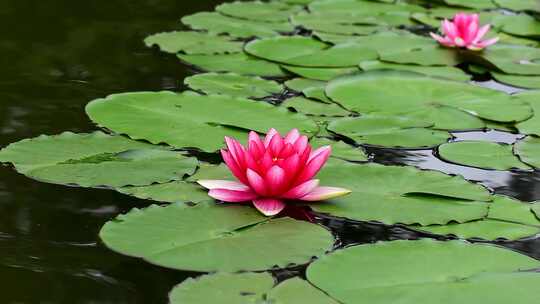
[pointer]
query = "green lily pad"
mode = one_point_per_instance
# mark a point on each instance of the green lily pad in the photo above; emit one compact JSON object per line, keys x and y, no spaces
{"x":308,"y":52}
{"x":233,"y":85}
{"x":210,"y":237}
{"x":428,"y":56}
{"x":423,"y":197}
{"x":236,"y":63}
{"x":389,"y":131}
{"x":532,"y":125}
{"x":487,"y":229}
{"x":183,"y":120}
{"x":528,"y":150}
{"x":210,"y":171}
{"x":323,"y":74}
{"x":412,"y":271}
{"x":193,"y":43}
{"x":361,"y":7}
{"x":296,"y":290}
{"x":334,"y":38}
{"x":315,"y":108}
{"x":341,"y":150}
{"x":328,"y":23}
{"x":361,"y":93}
{"x":520,"y":25}
{"x":216,"y":23}
{"x":436,"y":71}
{"x":520,"y":81}
{"x":519,"y":5}
{"x":310,"y":88}
{"x":536,"y":210}
{"x":246,"y":288}
{"x":481,"y":154}
{"x":513,"y":59}
{"x":172,"y":192}
{"x":478,"y":4}
{"x":258,"y":11}
{"x":507,"y":219}
{"x":228,"y":288}
{"x":96,"y":159}
{"x":314,"y":20}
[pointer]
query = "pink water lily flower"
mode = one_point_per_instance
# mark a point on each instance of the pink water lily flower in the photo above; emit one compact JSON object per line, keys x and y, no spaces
{"x":465,"y":32}
{"x":272,"y":171}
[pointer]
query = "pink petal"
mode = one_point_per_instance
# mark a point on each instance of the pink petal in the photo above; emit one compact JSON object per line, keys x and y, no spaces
{"x":276,"y":145}
{"x":481,"y":32}
{"x":292,"y":136}
{"x":274,"y":180}
{"x":324,"y":193}
{"x":301,"y":190}
{"x":319,"y":151}
{"x":287,"y":151}
{"x":269,"y":206}
{"x":222,"y":184}
{"x":437,"y":37}
{"x":290,"y":166}
{"x":232,"y":196}
{"x":484,"y":44}
{"x":301,"y":144}
{"x":314,"y":165}
{"x":236,"y":150}
{"x":449,"y":29}
{"x":233,"y":166}
{"x":255,"y":145}
{"x":269,"y":136}
{"x":256,"y":182}
{"x":266,"y":161}
{"x":470,"y":33}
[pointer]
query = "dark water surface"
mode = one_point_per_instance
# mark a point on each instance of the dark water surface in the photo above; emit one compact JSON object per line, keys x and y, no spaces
{"x":56,"y":56}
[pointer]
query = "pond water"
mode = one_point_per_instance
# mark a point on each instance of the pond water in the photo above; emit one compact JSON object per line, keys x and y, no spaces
{"x":57,"y":56}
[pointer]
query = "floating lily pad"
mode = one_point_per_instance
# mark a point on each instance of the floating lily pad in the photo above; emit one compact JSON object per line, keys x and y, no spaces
{"x":228,"y":288}
{"x":233,"y":85}
{"x":210,"y":171}
{"x":296,"y":290}
{"x":412,"y":271}
{"x":437,"y":71}
{"x":428,"y":56}
{"x":519,"y":5}
{"x":536,"y":210}
{"x":183,"y":120}
{"x":258,"y":11}
{"x":172,"y":192}
{"x":520,"y":81}
{"x":532,"y":125}
{"x":344,"y":24}
{"x":315,"y":108}
{"x":210,"y":237}
{"x":193,"y":43}
{"x":312,"y":20}
{"x":423,"y":197}
{"x":478,"y":4}
{"x":216,"y":23}
{"x":96,"y":159}
{"x":507,"y":219}
{"x":481,"y":154}
{"x":528,"y":150}
{"x":389,"y":131}
{"x":236,"y":63}
{"x":246,"y":288}
{"x":341,"y":150}
{"x":308,"y":52}
{"x":361,"y":93}
{"x":520,"y":25}
{"x":361,"y":7}
{"x":323,"y":74}
{"x":514,"y":59}
{"x":310,"y":88}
